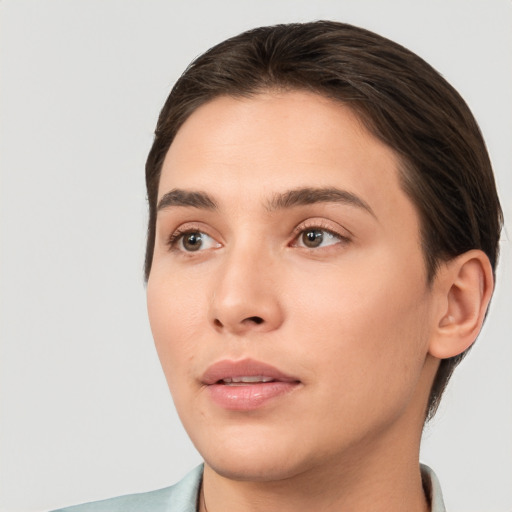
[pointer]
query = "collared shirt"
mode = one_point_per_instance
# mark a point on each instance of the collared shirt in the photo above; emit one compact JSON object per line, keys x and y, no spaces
{"x":183,"y":497}
{"x":433,"y":489}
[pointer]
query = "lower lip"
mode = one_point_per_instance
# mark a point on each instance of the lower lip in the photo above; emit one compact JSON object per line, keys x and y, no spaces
{"x":247,"y":397}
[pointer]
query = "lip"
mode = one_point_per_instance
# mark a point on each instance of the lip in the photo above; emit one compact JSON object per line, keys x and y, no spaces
{"x":246,"y":395}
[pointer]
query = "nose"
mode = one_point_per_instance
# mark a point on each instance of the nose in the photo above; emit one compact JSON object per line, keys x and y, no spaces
{"x":246,"y":295}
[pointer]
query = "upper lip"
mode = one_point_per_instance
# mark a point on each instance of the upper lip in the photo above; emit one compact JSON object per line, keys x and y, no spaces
{"x":227,"y":369}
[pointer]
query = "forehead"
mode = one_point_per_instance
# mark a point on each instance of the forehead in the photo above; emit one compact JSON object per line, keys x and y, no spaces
{"x":252,"y":147}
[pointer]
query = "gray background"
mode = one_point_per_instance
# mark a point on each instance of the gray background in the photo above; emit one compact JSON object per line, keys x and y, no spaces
{"x":85,"y":411}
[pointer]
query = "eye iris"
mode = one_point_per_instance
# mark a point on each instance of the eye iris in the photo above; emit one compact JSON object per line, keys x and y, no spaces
{"x":192,"y":241}
{"x":312,"y":237}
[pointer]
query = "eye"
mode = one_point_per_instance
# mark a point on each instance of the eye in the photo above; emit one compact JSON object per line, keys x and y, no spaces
{"x":313,"y":238}
{"x":192,"y":241}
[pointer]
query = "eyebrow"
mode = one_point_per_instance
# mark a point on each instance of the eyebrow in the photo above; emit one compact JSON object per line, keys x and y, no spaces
{"x":292,"y":198}
{"x":178,"y":197}
{"x":312,"y":195}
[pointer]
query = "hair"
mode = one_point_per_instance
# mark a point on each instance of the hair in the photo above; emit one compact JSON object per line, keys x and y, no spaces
{"x":444,"y":166}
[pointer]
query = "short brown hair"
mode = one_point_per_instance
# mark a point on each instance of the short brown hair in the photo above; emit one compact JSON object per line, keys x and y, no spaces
{"x":402,"y":100}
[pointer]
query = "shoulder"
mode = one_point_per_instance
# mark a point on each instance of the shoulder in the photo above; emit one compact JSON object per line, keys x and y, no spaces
{"x":181,"y":497}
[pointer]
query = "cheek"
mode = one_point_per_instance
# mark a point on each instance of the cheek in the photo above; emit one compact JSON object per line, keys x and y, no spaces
{"x":369,"y":330}
{"x":175,"y":324}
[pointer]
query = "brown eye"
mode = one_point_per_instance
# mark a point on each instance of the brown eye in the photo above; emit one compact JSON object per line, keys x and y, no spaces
{"x":313,"y":238}
{"x":319,"y":238}
{"x":192,"y":241}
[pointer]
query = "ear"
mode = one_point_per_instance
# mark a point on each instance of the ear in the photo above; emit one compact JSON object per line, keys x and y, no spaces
{"x":463,"y":287}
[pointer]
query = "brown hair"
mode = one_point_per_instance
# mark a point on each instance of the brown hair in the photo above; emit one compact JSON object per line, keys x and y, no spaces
{"x":445,"y":168}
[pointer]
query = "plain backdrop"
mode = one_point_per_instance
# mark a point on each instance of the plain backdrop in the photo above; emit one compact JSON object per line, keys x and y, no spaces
{"x":85,"y":411}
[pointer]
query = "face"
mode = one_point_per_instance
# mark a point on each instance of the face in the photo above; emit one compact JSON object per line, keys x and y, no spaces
{"x":287,"y":297}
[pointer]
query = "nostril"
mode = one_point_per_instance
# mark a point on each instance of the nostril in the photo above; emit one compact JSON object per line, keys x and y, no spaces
{"x":244,"y":324}
{"x":255,"y":319}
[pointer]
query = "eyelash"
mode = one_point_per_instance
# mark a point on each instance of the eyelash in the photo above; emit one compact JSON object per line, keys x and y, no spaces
{"x":317,"y":226}
{"x":174,"y":237}
{"x":181,"y":232}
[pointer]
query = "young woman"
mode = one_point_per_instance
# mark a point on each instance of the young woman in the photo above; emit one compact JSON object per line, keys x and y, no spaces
{"x":321,"y":250}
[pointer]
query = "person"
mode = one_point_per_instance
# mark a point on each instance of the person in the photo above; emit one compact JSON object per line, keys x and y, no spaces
{"x":322,"y":244}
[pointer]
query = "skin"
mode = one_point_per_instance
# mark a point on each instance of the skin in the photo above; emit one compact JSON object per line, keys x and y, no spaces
{"x":352,"y":319}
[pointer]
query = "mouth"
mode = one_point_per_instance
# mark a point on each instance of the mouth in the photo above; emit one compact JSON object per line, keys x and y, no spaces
{"x":247,"y":384}
{"x":243,"y":381}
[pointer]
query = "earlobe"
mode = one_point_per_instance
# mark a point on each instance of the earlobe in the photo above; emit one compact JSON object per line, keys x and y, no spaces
{"x":464,"y":288}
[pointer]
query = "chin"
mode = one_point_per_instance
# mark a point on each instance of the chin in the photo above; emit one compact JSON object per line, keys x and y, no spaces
{"x":252,"y":456}
{"x":262,"y":469}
